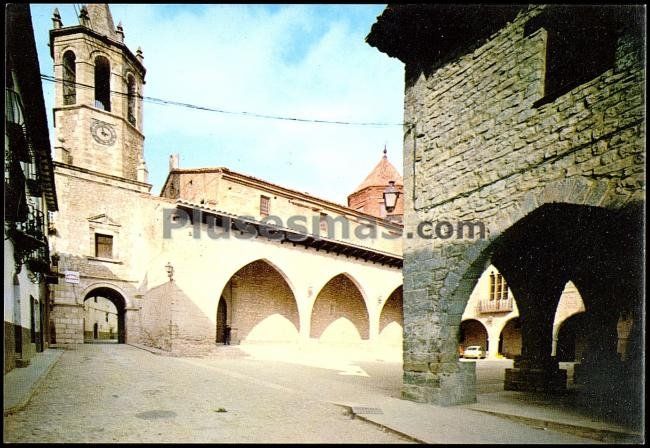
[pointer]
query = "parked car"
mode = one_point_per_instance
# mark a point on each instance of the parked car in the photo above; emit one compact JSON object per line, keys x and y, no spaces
{"x":474,"y":351}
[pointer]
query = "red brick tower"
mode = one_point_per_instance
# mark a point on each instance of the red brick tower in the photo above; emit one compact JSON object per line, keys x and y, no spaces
{"x":368,"y":197}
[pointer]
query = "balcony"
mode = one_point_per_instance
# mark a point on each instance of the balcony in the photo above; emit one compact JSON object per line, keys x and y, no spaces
{"x":14,"y":107}
{"x":30,"y":233}
{"x":39,"y":260}
{"x":486,"y":306}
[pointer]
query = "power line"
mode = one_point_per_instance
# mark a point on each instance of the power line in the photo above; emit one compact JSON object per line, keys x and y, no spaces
{"x":164,"y":102}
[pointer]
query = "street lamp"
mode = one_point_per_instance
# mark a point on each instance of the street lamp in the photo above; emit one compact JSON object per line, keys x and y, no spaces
{"x":170,"y":271}
{"x":390,"y":196}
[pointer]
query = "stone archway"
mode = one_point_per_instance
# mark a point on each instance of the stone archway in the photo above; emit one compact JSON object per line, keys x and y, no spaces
{"x":472,"y":332}
{"x":262,"y":305}
{"x":510,"y":339}
{"x":538,"y":254}
{"x":118,"y":302}
{"x":339,"y":312}
{"x":571,"y":338}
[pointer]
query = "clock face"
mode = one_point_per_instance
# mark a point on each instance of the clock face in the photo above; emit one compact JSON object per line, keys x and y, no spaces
{"x":103,"y":132}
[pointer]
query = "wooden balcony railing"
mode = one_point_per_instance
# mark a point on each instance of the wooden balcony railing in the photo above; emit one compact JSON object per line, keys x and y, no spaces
{"x":495,"y":306}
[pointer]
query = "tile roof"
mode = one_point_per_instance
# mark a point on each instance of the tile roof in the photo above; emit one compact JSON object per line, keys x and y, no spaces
{"x":381,"y":174}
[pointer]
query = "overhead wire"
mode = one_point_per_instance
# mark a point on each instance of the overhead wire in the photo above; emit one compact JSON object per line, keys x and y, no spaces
{"x":164,"y":102}
{"x":229,"y":112}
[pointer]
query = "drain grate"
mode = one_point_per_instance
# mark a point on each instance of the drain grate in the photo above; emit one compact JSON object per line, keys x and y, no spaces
{"x":152,"y":415}
{"x":366,"y":410}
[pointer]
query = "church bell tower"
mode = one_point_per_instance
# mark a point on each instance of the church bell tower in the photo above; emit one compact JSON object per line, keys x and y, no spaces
{"x":98,"y":99}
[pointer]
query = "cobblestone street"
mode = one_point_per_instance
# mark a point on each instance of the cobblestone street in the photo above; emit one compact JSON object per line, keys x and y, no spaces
{"x":111,"y":393}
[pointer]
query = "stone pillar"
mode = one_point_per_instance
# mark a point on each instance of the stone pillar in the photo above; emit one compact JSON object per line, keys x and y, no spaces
{"x":536,"y":369}
{"x":601,"y":357}
{"x":432,"y":371}
{"x":132,"y":323}
{"x":68,"y":323}
{"x":494,"y":334}
{"x":373,"y":326}
{"x":304,"y":315}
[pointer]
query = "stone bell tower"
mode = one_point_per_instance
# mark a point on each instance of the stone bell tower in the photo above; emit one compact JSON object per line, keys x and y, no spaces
{"x":98,"y":99}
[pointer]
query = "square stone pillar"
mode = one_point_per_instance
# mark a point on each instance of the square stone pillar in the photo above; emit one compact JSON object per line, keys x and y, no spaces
{"x":68,"y":323}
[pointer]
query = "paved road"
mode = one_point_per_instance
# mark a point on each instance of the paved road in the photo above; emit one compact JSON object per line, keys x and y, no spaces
{"x":109,"y":393}
{"x":490,"y":374}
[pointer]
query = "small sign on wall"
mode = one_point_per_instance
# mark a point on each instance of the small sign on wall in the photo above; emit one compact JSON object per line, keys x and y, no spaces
{"x":71,"y":277}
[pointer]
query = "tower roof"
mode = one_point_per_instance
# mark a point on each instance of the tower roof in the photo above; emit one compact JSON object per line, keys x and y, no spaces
{"x":101,"y":20}
{"x":381,"y":174}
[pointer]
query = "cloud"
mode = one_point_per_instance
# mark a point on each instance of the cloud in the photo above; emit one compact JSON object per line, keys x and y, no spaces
{"x":292,"y":60}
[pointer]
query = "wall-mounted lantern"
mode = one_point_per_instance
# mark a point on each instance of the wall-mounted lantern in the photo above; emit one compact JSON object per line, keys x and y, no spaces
{"x":390,"y":196}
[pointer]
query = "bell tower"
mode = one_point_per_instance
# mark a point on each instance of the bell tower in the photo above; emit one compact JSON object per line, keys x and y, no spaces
{"x":98,"y":99}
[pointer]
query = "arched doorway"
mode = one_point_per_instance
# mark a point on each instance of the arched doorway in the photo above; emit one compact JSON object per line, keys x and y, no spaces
{"x":510,"y":339}
{"x":339,"y":313}
{"x":262,"y":306}
{"x":472,"y":333}
{"x":222,"y":321}
{"x":571,"y":338}
{"x":104,"y":316}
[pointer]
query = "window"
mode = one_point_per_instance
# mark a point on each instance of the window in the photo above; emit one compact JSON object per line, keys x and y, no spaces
{"x":581,"y":44}
{"x":265,"y":205}
{"x":103,"y":246}
{"x":491,"y":286}
{"x":130,"y":86}
{"x":498,"y":288}
{"x":573,"y":60}
{"x":32,"y":319}
{"x":106,"y":317}
{"x":69,"y":78}
{"x":102,"y":83}
{"x":323,"y":221}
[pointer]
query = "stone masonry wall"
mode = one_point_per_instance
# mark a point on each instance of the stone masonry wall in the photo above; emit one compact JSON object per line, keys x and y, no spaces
{"x":480,"y":151}
{"x":73,"y":121}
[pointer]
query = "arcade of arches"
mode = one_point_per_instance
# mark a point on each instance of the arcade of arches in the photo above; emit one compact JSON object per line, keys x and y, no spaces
{"x":597,"y":251}
{"x":493,"y":323}
{"x":258,"y":305}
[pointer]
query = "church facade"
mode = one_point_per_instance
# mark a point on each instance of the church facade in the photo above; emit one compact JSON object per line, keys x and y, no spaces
{"x":217,"y":248}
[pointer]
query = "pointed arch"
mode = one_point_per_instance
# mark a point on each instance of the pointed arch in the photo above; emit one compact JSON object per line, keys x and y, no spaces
{"x":339,"y":312}
{"x":272,"y":264}
{"x":260,"y":304}
{"x":69,"y":64}
{"x":352,"y":279}
{"x":103,"y":83}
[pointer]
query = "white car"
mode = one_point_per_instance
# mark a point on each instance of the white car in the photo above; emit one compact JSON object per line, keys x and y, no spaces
{"x":474,"y":351}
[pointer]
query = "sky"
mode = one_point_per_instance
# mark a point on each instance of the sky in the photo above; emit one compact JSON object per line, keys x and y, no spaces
{"x":305,"y":61}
